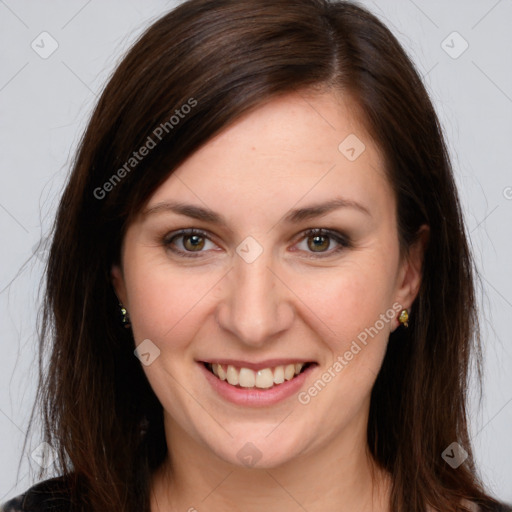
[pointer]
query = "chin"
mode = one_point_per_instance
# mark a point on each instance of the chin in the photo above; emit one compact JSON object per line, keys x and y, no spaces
{"x":259,"y":451}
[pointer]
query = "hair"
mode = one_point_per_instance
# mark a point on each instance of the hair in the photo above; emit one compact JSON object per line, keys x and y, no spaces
{"x":225,"y":58}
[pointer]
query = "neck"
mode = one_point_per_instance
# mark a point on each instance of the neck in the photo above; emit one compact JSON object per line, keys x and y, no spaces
{"x":340,"y":475}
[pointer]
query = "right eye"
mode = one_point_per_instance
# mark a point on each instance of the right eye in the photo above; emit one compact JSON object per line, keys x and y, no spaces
{"x":186,"y":242}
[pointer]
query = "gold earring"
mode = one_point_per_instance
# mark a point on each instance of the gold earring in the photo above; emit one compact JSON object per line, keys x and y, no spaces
{"x":125,"y":317}
{"x":403,"y":318}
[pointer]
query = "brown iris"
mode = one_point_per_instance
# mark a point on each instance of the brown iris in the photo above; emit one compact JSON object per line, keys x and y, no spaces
{"x":197,"y":242}
{"x":317,"y":243}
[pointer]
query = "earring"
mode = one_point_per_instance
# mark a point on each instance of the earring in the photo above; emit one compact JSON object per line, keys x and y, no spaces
{"x":125,"y":317}
{"x":403,"y":318}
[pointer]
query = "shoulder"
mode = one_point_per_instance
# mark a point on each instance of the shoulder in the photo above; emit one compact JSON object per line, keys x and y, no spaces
{"x":48,"y":495}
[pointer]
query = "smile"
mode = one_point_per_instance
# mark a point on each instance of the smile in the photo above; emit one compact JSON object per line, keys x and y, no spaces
{"x":264,"y":378}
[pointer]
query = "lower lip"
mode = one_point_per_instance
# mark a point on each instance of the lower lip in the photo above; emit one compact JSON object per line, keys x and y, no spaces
{"x":255,"y":397}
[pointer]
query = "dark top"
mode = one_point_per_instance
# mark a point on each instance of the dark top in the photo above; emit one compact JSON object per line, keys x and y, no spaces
{"x":47,"y":496}
{"x":50,"y":496}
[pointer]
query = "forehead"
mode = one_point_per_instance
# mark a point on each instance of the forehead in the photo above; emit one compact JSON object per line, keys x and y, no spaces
{"x":298,"y":148}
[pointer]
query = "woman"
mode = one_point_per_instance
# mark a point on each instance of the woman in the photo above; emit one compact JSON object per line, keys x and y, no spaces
{"x":262,"y":211}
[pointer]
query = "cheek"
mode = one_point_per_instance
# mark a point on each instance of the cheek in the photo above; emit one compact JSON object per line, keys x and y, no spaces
{"x":163,"y":301}
{"x":347,"y":300}
{"x":351,"y":314}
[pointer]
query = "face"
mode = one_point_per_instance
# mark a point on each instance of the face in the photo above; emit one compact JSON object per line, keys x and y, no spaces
{"x":290,"y":255}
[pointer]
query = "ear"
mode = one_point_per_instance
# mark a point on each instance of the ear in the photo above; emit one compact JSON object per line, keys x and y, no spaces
{"x":116,"y":274}
{"x":411,"y":269}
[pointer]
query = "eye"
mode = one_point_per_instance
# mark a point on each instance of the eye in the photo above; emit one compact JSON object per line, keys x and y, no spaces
{"x":192,"y":243}
{"x":187,"y":242}
{"x":319,"y":241}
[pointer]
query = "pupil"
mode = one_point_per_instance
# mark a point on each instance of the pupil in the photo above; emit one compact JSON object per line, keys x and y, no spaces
{"x":197,"y":242}
{"x":317,"y":242}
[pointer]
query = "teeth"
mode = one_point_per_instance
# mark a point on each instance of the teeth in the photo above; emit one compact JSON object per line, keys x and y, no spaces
{"x":289,"y":371}
{"x":246,"y":378}
{"x":221,"y":373}
{"x":232,"y":375}
{"x":279,"y":375}
{"x":263,"y":379}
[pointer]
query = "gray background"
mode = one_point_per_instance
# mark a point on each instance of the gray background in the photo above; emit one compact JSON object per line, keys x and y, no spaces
{"x":45,"y":103}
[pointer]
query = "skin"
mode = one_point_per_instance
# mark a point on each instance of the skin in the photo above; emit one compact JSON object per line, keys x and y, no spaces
{"x":294,"y":300}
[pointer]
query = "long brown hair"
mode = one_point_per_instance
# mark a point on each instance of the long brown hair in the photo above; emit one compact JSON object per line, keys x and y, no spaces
{"x":224,"y":58}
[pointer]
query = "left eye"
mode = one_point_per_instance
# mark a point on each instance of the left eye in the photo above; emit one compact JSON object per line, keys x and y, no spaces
{"x":320,"y":240}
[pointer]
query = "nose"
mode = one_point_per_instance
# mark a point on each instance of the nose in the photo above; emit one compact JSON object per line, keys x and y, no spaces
{"x":256,"y":304}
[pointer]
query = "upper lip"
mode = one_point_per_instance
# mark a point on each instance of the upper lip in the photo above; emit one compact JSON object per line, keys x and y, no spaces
{"x":268,"y":363}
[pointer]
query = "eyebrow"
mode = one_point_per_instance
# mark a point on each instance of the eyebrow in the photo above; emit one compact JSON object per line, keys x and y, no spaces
{"x":292,"y":217}
{"x":317,"y":210}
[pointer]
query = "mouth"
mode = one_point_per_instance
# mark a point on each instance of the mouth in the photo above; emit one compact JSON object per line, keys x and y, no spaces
{"x":264,"y":378}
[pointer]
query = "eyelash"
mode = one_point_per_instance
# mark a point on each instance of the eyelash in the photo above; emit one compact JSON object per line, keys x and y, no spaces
{"x":342,"y":241}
